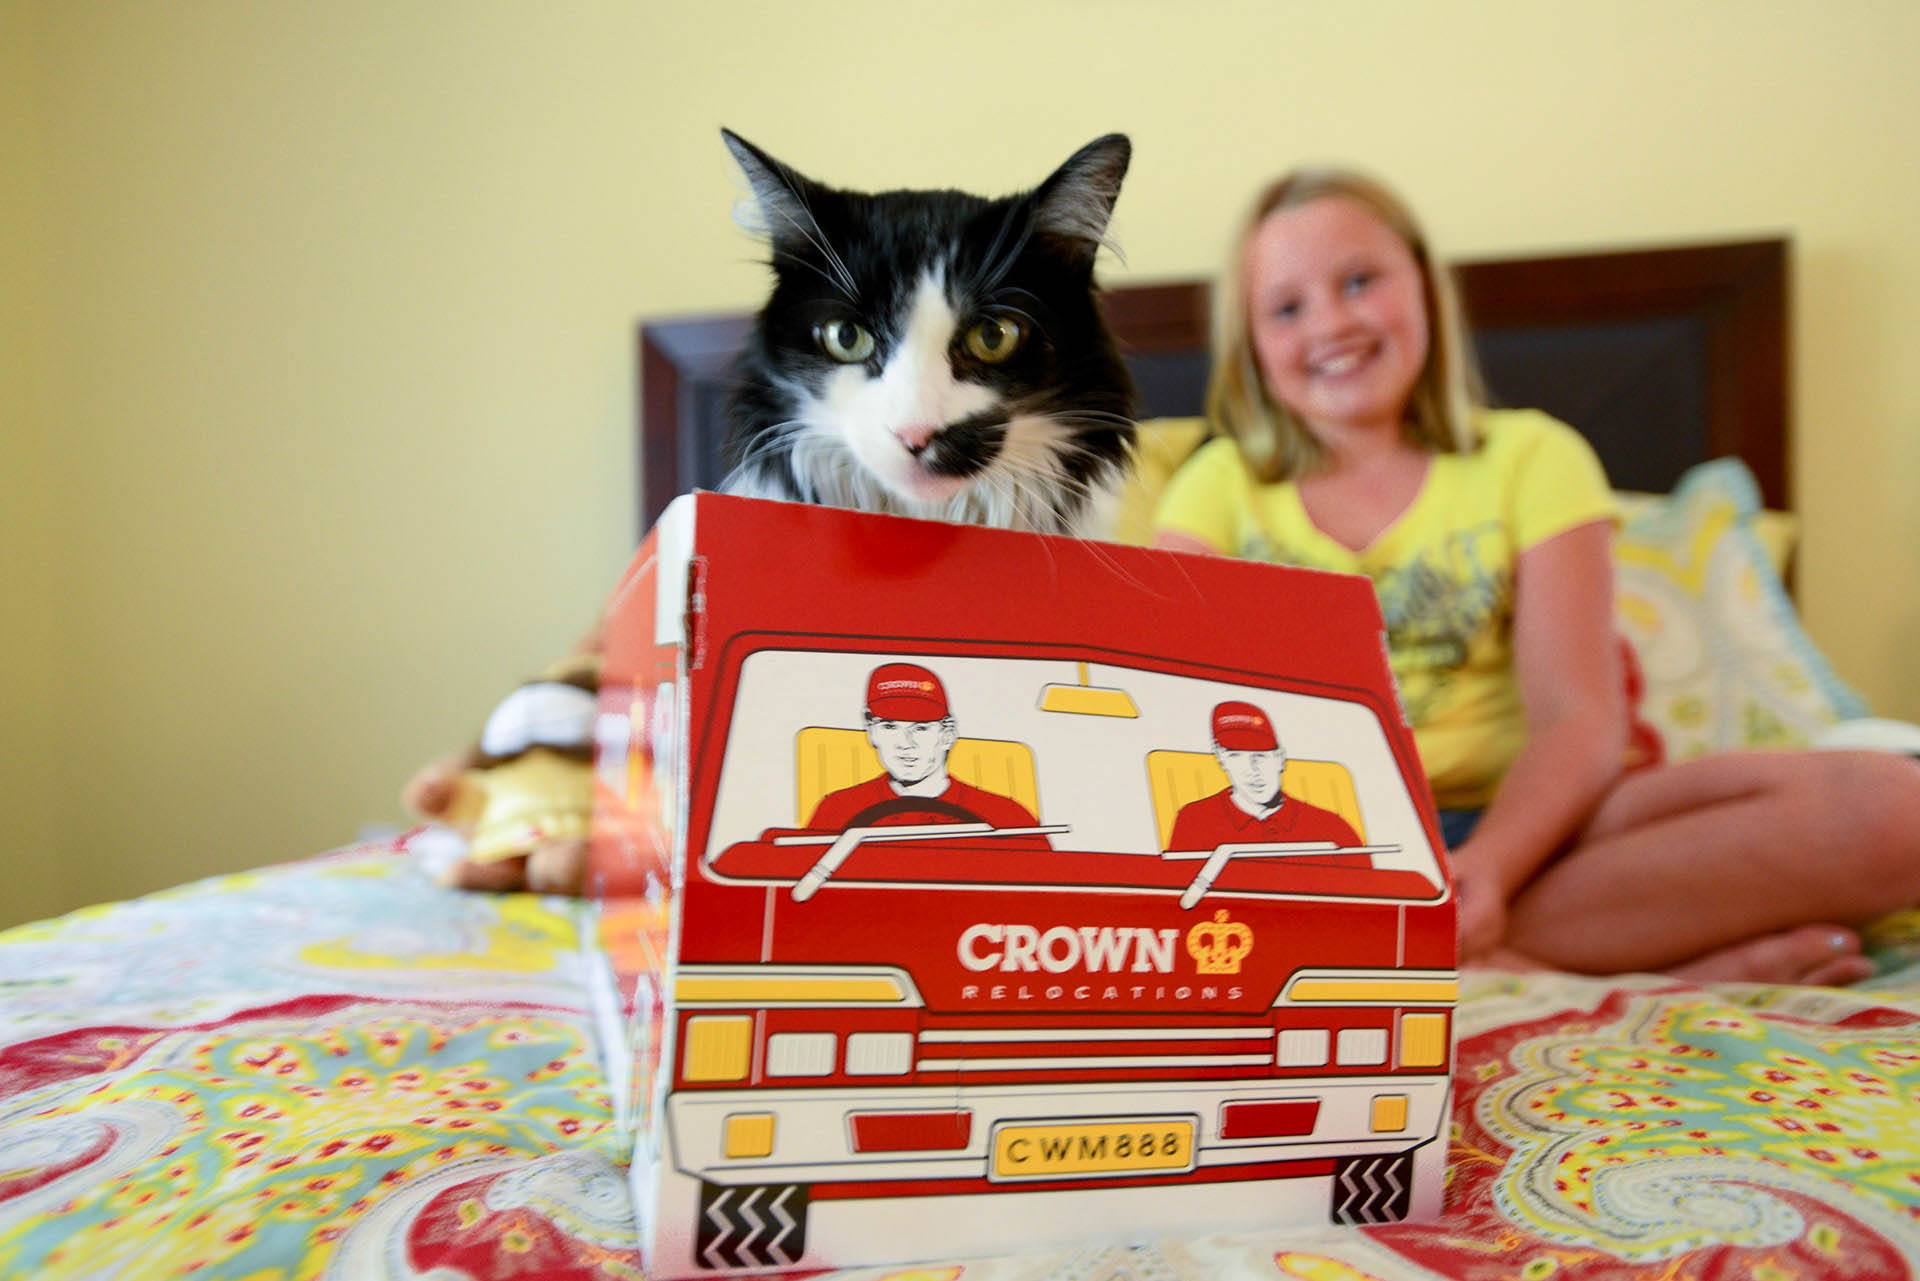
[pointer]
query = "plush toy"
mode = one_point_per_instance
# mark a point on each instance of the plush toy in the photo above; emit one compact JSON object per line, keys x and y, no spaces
{"x":523,"y":796}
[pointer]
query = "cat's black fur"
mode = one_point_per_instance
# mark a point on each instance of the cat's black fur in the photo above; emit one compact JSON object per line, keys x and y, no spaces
{"x":1037,"y":440}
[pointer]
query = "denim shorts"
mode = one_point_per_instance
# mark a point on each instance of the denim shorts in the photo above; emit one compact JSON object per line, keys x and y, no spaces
{"x":1457,"y":825}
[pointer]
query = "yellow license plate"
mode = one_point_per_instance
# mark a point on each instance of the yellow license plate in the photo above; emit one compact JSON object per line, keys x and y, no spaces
{"x":1103,"y":1147}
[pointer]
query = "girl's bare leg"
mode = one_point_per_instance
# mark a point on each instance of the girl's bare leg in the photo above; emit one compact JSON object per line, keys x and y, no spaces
{"x":1699,"y":863}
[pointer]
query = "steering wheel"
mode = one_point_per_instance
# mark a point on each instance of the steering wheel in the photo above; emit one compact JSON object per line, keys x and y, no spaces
{"x":914,"y":805}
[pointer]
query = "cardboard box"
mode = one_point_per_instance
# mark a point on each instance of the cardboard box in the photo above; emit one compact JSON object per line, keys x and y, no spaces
{"x":880,"y":1028}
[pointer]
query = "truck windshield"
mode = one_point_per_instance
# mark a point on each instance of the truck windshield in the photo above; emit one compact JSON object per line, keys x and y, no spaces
{"x":941,"y":769}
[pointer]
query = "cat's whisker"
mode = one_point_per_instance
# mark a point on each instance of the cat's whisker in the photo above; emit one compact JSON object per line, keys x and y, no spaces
{"x":1097,"y":548}
{"x":1093,"y":417}
{"x":772,"y":442}
{"x":1101,"y":459}
{"x":793,"y":197}
{"x":770,"y":435}
{"x":824,"y":274}
{"x":1005,"y":265}
{"x":1035,"y":488}
{"x":823,"y":244}
{"x":780,"y":255}
{"x":988,"y":265}
{"x":1016,"y":499}
{"x":845,"y":281}
{"x":1021,"y":312}
{"x":998,"y":261}
{"x":1086,"y":489}
{"x":1015,"y":291}
{"x":1053,"y":562}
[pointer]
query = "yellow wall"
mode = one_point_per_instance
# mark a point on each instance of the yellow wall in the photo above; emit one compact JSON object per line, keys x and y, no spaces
{"x":32,"y":747}
{"x":328,"y":345}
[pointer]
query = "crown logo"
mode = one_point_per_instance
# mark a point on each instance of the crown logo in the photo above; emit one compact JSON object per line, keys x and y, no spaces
{"x":1217,"y":946}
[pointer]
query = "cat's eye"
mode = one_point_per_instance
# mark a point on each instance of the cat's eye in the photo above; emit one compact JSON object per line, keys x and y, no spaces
{"x":994,"y":339}
{"x":846,"y":341}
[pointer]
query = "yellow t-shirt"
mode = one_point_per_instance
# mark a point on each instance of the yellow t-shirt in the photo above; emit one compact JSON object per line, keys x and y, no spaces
{"x":1443,"y":572}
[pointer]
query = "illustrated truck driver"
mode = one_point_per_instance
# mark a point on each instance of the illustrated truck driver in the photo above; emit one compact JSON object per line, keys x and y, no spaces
{"x":911,"y":728}
{"x":1252,"y":809}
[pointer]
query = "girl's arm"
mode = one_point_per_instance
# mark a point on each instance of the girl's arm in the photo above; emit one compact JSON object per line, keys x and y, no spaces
{"x":1173,"y":540}
{"x":1571,"y":689}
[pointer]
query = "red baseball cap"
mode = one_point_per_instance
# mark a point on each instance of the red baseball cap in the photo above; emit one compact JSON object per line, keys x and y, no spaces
{"x":905,"y":692}
{"x":1242,"y":727}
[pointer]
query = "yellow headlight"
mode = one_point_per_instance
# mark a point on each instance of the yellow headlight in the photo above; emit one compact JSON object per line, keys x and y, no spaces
{"x":719,"y":1047}
{"x":1423,"y":1040}
{"x":750,"y":1134}
{"x":1389,"y":1113}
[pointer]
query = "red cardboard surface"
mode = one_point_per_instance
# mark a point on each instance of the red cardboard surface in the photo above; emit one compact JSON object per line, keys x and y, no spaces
{"x":902,"y":811}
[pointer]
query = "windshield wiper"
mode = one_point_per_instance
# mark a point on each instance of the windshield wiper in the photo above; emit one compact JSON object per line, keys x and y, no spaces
{"x":840,"y":846}
{"x":1217,"y":860}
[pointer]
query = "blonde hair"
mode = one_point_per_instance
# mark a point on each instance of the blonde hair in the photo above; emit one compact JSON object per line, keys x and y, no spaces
{"x":1447,"y":395}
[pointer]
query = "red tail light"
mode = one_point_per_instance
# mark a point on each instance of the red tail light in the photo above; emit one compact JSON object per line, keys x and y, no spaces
{"x":911,"y":1131}
{"x":1266,"y":1119}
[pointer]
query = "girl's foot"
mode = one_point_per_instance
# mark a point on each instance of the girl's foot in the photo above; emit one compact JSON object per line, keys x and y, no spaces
{"x":1505,"y":958}
{"x":1812,"y":955}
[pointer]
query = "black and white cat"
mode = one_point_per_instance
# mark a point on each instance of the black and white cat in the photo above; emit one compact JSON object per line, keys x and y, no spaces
{"x":933,"y":353}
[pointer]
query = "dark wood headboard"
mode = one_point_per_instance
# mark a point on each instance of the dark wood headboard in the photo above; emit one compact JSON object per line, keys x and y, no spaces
{"x":1662,"y":357}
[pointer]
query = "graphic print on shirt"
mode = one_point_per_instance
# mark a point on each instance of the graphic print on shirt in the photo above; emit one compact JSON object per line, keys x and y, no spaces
{"x":1436,"y":605}
{"x":1439,"y":604}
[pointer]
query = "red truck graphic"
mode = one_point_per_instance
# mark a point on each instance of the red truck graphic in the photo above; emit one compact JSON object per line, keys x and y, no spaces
{"x":853,"y":1044}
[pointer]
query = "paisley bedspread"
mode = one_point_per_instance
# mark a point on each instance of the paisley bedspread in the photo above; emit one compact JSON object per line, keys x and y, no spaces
{"x":337,"y":1069}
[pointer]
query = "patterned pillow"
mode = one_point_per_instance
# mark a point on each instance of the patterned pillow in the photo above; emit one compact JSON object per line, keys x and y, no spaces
{"x":1727,"y":664}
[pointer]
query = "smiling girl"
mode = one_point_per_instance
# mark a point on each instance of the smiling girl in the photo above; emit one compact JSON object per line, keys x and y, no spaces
{"x":1355,"y":439}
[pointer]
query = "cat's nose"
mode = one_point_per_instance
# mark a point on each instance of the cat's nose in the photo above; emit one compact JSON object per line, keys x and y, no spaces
{"x":916,"y":436}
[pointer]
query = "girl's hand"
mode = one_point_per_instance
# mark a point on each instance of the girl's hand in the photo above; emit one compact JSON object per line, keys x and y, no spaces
{"x":1482,"y":914}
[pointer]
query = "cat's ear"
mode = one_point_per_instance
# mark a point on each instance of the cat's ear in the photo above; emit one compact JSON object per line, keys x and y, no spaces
{"x":1075,"y":204}
{"x":778,"y":211}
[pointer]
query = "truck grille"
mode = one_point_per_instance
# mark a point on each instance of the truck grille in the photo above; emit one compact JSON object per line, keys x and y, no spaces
{"x":977,"y":1051}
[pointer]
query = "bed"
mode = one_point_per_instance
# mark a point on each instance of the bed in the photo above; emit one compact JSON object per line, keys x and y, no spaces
{"x":338,"y":1068}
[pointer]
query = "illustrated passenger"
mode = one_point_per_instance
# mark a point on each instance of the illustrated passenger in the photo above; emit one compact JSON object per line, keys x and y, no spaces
{"x":1252,"y":809}
{"x":912,"y":729}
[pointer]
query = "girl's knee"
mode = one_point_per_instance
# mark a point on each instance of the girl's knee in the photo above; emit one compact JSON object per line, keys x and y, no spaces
{"x":1875,"y":798}
{"x":1896,"y":778}
{"x":1855,"y":775}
